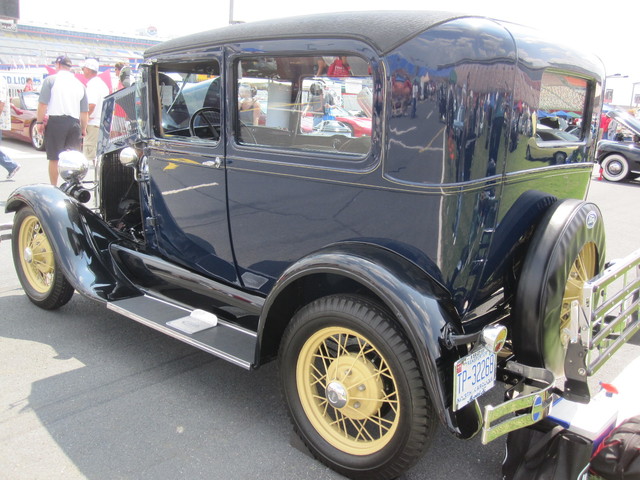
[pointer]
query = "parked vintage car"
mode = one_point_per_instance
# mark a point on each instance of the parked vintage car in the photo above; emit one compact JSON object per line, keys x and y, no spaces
{"x":23,"y":119}
{"x":356,"y":126}
{"x":620,"y":158}
{"x":551,"y":143}
{"x":395,"y":276}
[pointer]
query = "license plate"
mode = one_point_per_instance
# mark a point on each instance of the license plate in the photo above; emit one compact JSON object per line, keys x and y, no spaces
{"x":473,"y":375}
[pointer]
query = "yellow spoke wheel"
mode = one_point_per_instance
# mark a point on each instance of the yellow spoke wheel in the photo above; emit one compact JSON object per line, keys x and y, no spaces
{"x":37,"y":256}
{"x":354,"y":391}
{"x":583,"y":269}
{"x":36,"y":262}
{"x":566,"y":250}
{"x":348,"y":391}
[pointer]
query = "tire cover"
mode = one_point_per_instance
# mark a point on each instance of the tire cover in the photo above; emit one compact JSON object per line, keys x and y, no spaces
{"x":560,"y":236}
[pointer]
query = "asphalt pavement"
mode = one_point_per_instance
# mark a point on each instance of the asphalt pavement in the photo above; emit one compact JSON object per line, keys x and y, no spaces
{"x":87,"y":393}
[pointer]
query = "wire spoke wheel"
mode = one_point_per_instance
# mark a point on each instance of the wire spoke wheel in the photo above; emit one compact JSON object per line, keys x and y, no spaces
{"x":37,"y":256}
{"x":355,"y":394}
{"x":566,"y":250}
{"x":584,"y":268}
{"x":348,"y":390}
{"x":36,"y":262}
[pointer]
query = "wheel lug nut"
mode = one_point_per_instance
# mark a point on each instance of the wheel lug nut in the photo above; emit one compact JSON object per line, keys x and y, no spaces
{"x":356,"y":405}
{"x":361,"y":387}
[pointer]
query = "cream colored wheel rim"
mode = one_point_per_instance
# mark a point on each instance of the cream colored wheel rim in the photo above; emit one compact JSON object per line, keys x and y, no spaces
{"x":347,"y":390}
{"x":583,"y":269}
{"x":36,"y":255}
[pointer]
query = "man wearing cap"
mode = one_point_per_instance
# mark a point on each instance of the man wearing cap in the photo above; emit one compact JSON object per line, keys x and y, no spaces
{"x":96,"y":91}
{"x":64,"y":98}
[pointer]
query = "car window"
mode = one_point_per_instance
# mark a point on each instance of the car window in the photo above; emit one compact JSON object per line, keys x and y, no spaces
{"x":318,"y":104}
{"x":563,"y":106}
{"x":189,"y":101}
{"x":30,"y":100}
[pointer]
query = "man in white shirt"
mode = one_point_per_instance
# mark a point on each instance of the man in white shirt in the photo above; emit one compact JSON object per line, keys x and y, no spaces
{"x":96,"y":91}
{"x":64,"y":98}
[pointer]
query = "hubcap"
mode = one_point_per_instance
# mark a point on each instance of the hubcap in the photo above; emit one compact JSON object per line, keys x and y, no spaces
{"x":347,"y":390}
{"x":28,"y":255}
{"x":336,"y":395}
{"x":614,"y":168}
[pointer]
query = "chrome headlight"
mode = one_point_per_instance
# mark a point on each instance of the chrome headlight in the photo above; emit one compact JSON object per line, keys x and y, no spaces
{"x":128,"y":157}
{"x":72,"y":166}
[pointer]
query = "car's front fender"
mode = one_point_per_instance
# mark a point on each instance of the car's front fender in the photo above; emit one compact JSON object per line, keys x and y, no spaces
{"x":79,"y":238}
{"x":628,"y":150}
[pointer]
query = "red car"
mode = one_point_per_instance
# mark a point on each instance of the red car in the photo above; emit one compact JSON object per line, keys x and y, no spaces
{"x":359,"y":126}
{"x":23,"y":119}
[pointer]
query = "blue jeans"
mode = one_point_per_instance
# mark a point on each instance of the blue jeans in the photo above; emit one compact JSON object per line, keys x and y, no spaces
{"x":5,"y":161}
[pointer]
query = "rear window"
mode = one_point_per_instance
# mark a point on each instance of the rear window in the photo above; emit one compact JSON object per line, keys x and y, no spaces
{"x":315,"y":104}
{"x":562,"y":107}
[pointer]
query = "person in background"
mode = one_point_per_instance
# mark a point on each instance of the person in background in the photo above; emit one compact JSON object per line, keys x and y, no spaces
{"x":123,"y":72}
{"x":28,"y":86}
{"x":5,"y":124}
{"x":321,"y":67}
{"x":340,"y":67}
{"x":64,"y":98}
{"x":249,"y":105}
{"x":96,"y":91}
{"x":315,"y":105}
{"x":605,"y":120}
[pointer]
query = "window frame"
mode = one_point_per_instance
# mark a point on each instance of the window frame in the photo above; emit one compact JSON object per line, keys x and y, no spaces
{"x":166,"y":66}
{"x":309,"y":155}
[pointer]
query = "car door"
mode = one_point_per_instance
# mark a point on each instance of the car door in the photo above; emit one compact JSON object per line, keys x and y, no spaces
{"x":186,"y":166}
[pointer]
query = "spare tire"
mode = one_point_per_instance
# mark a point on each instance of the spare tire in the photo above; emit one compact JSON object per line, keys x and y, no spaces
{"x":566,"y":250}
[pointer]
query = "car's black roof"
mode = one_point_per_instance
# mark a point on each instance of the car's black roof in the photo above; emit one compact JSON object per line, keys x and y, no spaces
{"x":383,"y":30}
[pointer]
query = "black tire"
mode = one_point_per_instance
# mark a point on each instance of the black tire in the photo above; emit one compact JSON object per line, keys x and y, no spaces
{"x":387,"y":428}
{"x":36,"y":263}
{"x":568,"y":244}
{"x":559,"y":158}
{"x":37,"y":140}
{"x":615,"y":168}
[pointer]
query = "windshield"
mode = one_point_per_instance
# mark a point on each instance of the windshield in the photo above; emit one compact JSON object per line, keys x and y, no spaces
{"x":30,"y":100}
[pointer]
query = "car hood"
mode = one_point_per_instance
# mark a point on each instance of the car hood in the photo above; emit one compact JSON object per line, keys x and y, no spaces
{"x":626,"y":120}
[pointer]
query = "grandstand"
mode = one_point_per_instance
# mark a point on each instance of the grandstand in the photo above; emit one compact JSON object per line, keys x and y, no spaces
{"x":25,"y":49}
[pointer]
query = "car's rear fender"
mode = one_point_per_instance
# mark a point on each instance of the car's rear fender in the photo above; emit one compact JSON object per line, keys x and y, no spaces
{"x":421,"y":306}
{"x":79,"y":238}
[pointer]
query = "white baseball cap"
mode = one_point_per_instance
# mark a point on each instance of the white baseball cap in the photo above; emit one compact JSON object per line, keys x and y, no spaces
{"x":91,"y":64}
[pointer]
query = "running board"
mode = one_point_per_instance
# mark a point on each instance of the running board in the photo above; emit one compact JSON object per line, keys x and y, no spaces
{"x":219,"y":338}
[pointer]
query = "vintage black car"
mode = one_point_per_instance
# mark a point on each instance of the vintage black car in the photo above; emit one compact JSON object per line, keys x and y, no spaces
{"x":394,"y":275}
{"x":620,"y":157}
